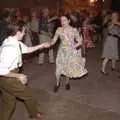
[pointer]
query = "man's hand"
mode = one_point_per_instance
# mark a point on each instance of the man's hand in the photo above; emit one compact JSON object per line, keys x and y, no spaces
{"x":23,"y":78}
{"x":45,"y":45}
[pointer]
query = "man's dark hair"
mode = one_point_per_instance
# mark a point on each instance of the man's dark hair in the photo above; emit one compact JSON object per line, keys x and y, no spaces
{"x":17,"y":27}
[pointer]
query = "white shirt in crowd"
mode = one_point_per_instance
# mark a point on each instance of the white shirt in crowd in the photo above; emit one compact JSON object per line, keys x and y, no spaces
{"x":35,"y":25}
{"x":11,"y":54}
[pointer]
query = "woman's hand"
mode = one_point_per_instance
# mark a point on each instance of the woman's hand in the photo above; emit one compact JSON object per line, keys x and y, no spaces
{"x":45,"y":45}
{"x":78,"y":46}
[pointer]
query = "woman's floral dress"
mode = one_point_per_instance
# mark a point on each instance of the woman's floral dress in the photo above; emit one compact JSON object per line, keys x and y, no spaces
{"x":69,"y":61}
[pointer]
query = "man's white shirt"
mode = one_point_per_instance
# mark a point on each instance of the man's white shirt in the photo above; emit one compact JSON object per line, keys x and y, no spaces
{"x":11,"y":54}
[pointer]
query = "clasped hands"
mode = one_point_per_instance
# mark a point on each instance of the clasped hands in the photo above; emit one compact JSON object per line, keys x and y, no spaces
{"x":48,"y":45}
{"x":45,"y":45}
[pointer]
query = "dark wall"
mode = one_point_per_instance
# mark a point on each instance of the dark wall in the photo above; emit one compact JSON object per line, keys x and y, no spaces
{"x":42,"y":3}
{"x":11,"y":1}
{"x":29,"y":3}
{"x":116,"y":5}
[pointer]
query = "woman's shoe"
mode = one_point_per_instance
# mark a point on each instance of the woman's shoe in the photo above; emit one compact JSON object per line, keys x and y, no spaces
{"x":67,"y":86}
{"x":39,"y":117}
{"x":115,"y":70}
{"x":56,"y":88}
{"x":104,"y":73}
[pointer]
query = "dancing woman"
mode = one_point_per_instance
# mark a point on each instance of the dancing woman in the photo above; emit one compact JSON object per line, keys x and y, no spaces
{"x":69,"y":61}
{"x":110,"y":48}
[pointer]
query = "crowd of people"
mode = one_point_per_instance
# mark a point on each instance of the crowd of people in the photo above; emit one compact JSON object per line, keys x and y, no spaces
{"x":24,"y":32}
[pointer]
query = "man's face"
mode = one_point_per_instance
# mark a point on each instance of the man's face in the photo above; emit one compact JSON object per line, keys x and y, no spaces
{"x":46,"y":12}
{"x":8,"y":19}
{"x":20,"y":34}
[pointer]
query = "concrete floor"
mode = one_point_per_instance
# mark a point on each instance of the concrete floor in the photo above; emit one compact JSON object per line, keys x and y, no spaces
{"x":94,"y":97}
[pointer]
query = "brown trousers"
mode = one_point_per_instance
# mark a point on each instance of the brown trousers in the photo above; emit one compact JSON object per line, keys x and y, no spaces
{"x":12,"y":89}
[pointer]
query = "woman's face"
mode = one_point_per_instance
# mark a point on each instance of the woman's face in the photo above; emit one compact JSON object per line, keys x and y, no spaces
{"x":46,"y":13}
{"x":115,"y":17}
{"x":25,"y":19}
{"x":64,"y":21}
{"x":33,"y":16}
{"x":87,"y":21}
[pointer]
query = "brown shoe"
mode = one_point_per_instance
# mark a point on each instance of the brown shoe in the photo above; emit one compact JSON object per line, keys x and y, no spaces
{"x":104,"y":73}
{"x":67,"y":86}
{"x":115,"y":70}
{"x":39,"y":116}
{"x":56,"y":88}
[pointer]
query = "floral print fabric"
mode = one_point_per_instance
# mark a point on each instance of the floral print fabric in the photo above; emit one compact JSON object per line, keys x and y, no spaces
{"x":69,"y":61}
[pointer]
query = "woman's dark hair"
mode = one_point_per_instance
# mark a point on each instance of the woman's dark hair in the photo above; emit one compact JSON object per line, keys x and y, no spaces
{"x":67,"y":16}
{"x":72,"y":22}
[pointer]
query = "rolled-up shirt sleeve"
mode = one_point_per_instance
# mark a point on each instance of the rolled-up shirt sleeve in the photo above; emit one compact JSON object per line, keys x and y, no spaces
{"x":7,"y":58}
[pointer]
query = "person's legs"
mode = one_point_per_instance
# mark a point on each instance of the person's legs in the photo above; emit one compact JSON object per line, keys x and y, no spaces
{"x":15,"y":88}
{"x":105,"y":61}
{"x":58,"y":79}
{"x":42,"y":39}
{"x":113,"y":64}
{"x":67,"y":84}
{"x":58,"y":75}
{"x":51,"y":55}
{"x":8,"y":102}
{"x":41,"y":58}
{"x":28,"y":98}
{"x":31,"y":105}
